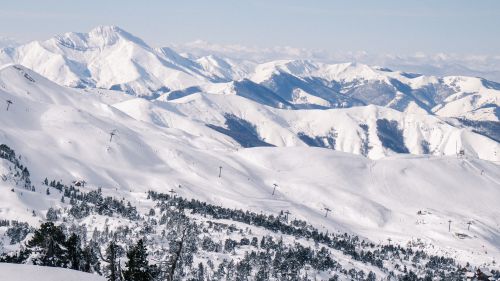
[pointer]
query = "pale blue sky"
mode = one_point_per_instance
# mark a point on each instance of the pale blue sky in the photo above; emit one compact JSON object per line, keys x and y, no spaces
{"x":384,"y":26}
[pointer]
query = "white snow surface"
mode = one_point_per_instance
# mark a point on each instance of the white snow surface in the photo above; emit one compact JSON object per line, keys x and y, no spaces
{"x":280,"y":127}
{"x":24,"y":272}
{"x":64,"y":134}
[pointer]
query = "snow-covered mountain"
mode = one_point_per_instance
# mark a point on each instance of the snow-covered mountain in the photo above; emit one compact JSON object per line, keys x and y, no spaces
{"x":111,"y":58}
{"x":157,"y":144}
{"x":106,"y":57}
{"x":434,"y":64}
{"x":372,"y":131}
{"x":375,"y":146}
{"x":375,"y":85}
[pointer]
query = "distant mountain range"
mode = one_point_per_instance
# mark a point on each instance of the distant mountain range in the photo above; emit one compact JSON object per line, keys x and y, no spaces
{"x":110,"y":58}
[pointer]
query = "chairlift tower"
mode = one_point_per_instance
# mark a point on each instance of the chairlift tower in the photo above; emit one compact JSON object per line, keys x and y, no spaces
{"x":9,"y":102}
{"x":111,"y":135}
{"x":286,"y":215}
{"x":172,"y":192}
{"x":327,"y":211}
{"x":274,"y":189}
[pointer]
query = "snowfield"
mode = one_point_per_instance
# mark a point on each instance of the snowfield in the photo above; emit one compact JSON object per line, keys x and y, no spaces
{"x":65,"y":134}
{"x":23,"y":272}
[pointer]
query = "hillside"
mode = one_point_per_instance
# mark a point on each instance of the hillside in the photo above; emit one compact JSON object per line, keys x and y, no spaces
{"x":162,"y":147}
{"x":285,"y":169}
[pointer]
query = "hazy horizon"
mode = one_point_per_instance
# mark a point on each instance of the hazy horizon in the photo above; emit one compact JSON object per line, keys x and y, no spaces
{"x":386,"y":26}
{"x":430,"y":37}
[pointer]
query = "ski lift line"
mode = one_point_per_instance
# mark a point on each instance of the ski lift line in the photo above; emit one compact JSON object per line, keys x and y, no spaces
{"x":5,"y":99}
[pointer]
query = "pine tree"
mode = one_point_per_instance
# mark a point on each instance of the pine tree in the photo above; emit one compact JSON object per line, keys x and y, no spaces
{"x":90,"y":259}
{"x":112,"y":260}
{"x":74,"y":252}
{"x":138,"y":268}
{"x":26,"y":177}
{"x":243,"y":269}
{"x":48,"y":246}
{"x":51,"y":214}
{"x":262,"y":274}
{"x":200,"y":274}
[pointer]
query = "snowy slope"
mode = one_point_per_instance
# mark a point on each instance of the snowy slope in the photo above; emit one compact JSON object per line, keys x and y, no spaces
{"x":474,"y":99}
{"x":380,"y":86}
{"x":358,"y":130}
{"x":315,"y":85}
{"x":23,"y":272}
{"x":244,"y":88}
{"x":65,"y":134}
{"x":223,"y":68}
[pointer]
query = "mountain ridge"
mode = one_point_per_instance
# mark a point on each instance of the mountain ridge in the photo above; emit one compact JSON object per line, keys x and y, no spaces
{"x":109,"y":57}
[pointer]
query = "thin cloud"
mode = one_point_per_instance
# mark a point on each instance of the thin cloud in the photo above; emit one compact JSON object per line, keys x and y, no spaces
{"x":439,"y":64}
{"x":17,"y":14}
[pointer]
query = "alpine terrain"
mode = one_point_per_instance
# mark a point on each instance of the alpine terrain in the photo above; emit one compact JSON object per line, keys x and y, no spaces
{"x":132,"y":162}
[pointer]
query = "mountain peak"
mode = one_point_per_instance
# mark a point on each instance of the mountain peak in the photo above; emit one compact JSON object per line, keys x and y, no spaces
{"x":98,"y":37}
{"x":112,"y":33}
{"x":106,"y":29}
